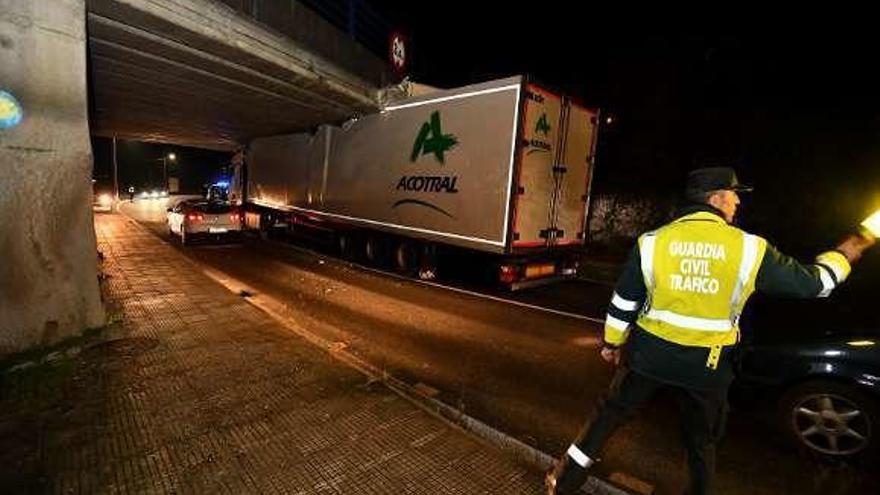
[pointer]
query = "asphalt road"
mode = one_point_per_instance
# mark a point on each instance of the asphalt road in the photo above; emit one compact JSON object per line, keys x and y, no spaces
{"x":530,"y":372}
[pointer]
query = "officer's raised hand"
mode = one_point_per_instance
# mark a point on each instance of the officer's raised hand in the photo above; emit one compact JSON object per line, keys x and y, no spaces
{"x":853,"y":246}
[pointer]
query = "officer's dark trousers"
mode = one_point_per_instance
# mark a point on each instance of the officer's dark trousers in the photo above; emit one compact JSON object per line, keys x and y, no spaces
{"x":702,"y":413}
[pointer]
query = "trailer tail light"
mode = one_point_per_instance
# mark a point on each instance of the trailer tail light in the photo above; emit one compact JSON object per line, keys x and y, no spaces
{"x":509,"y":274}
{"x":540,"y":270}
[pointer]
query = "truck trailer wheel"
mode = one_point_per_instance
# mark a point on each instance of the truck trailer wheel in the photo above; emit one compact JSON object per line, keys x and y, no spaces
{"x":406,"y":258}
{"x":375,"y":250}
{"x":265,"y":227}
{"x":345,"y":245}
{"x":428,"y":262}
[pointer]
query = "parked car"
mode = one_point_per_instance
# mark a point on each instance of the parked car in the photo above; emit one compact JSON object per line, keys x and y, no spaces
{"x":199,"y":219}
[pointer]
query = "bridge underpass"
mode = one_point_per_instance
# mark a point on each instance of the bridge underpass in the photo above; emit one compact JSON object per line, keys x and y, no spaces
{"x":200,"y":73}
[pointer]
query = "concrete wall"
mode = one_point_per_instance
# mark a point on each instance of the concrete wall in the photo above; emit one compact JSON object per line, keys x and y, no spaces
{"x":48,"y":274}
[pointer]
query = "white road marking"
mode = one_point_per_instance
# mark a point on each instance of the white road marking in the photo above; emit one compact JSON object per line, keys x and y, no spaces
{"x":445,"y":287}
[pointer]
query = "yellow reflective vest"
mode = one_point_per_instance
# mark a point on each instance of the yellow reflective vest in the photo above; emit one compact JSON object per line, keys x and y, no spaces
{"x":687,"y":283}
{"x":697,"y":274}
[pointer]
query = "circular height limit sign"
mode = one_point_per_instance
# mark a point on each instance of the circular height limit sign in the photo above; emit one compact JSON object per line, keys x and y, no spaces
{"x":397,"y":52}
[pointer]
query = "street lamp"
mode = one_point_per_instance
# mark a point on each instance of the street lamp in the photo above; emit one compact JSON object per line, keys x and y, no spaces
{"x":165,"y":158}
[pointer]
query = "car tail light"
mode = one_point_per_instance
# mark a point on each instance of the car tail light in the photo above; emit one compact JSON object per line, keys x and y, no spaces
{"x":192,"y":217}
{"x":235,"y":217}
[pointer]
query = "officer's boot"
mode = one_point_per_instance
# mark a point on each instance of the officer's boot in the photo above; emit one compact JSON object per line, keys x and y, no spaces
{"x":567,"y":476}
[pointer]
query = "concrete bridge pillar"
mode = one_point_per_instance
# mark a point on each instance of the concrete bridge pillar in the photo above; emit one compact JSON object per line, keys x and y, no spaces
{"x":48,"y":273}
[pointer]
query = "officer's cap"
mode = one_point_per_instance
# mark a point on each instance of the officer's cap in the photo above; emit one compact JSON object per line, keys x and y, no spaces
{"x":704,"y":180}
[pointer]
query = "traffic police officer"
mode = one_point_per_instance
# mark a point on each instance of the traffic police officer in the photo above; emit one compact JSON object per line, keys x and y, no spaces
{"x":677,"y":306}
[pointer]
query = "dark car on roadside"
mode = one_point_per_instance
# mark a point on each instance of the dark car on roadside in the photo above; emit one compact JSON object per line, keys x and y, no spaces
{"x":818,"y":361}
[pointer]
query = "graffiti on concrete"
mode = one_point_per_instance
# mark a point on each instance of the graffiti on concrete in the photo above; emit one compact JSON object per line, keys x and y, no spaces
{"x":10,"y":111}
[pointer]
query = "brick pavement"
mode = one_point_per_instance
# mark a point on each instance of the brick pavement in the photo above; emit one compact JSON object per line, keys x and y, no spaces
{"x":196,"y":391}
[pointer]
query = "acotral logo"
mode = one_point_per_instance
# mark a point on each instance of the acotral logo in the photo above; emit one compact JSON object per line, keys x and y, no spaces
{"x":536,"y":145}
{"x":432,"y":140}
{"x":542,"y":126}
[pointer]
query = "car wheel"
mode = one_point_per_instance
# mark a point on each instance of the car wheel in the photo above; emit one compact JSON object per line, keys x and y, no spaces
{"x":830,"y":419}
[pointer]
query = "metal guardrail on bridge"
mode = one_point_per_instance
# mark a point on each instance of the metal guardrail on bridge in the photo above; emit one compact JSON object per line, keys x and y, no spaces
{"x":356,"y":18}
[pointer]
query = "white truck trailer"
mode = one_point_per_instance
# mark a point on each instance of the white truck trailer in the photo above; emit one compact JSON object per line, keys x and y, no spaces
{"x":502,"y":169}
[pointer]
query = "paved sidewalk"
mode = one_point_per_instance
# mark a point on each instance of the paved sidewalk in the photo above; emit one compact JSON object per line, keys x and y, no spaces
{"x":197,"y":391}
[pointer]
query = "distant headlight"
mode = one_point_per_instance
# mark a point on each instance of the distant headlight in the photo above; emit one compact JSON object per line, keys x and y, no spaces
{"x":145,"y":194}
{"x":154,"y":194}
{"x":860,"y":343}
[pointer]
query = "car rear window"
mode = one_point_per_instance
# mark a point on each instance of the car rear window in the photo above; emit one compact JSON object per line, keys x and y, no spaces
{"x":213,"y":208}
